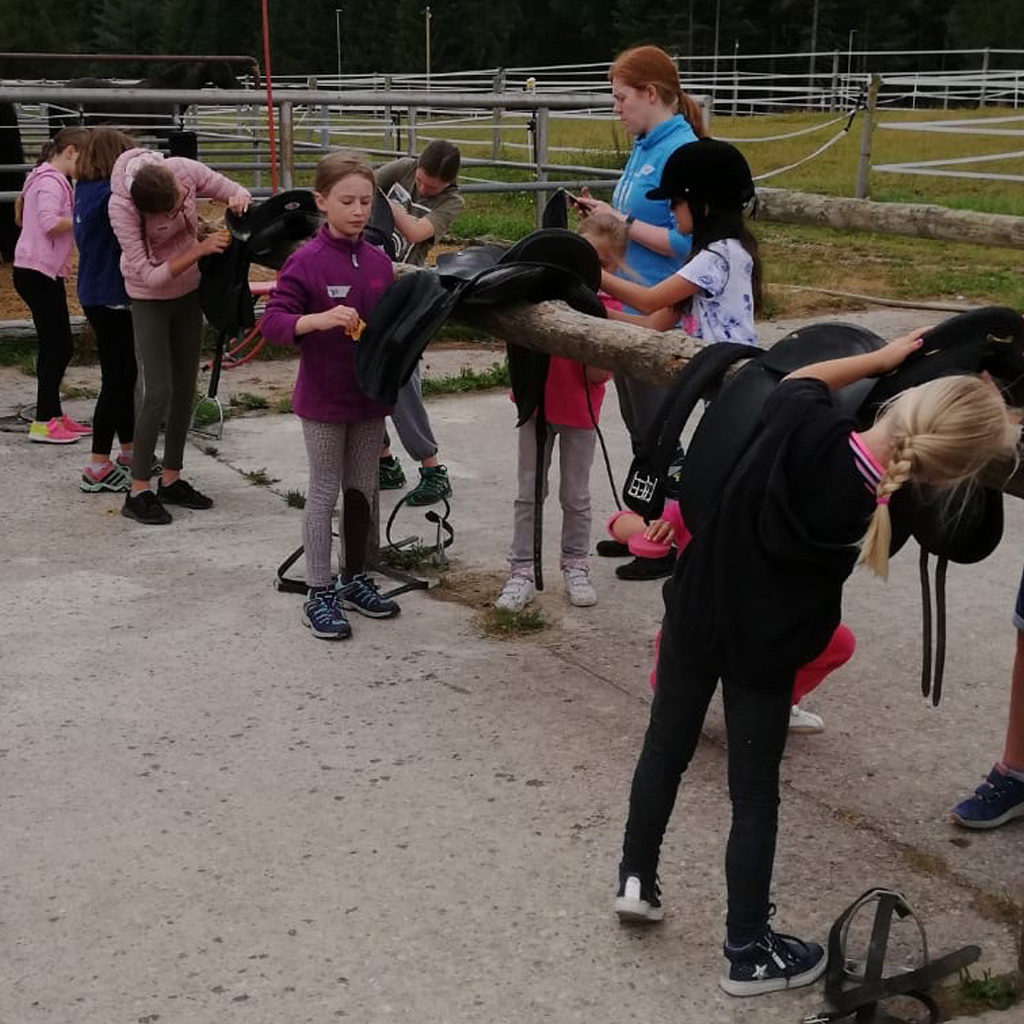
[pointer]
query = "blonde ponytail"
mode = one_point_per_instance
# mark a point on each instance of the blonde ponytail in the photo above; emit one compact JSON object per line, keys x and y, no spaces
{"x":874,"y":549}
{"x":943,"y":433}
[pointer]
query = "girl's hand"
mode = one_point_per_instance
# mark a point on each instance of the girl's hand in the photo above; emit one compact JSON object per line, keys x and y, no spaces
{"x":891,"y":355}
{"x":344,"y":317}
{"x":659,"y":532}
{"x":217,"y":242}
{"x":239,"y":203}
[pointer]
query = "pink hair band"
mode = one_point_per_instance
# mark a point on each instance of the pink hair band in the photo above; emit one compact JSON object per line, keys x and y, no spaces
{"x":882,"y":499}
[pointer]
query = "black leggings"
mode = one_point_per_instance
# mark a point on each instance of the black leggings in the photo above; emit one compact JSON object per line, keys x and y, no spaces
{"x":757,"y":721}
{"x":115,"y":406}
{"x":48,"y":301}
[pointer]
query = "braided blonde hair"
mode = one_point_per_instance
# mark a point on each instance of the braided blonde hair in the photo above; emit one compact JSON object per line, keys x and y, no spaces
{"x":944,"y":433}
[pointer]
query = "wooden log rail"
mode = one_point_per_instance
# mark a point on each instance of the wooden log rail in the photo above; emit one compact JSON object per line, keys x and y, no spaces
{"x":654,"y":356}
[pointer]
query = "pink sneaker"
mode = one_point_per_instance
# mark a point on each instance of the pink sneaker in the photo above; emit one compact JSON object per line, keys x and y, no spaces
{"x":74,"y":426}
{"x":53,"y":432}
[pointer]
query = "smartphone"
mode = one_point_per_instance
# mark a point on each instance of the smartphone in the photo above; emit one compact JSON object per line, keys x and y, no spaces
{"x":575,"y":200}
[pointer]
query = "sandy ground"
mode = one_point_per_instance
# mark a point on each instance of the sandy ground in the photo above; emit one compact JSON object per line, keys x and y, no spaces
{"x":210,"y":816}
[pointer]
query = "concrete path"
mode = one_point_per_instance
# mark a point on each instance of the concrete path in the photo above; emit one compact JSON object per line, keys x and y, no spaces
{"x":210,"y":816}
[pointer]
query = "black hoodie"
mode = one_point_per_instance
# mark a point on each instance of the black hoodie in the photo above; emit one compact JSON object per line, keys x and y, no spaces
{"x":758,"y":591}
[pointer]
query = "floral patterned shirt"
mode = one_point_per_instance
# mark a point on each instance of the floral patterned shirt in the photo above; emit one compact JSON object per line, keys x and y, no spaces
{"x":723,"y":309}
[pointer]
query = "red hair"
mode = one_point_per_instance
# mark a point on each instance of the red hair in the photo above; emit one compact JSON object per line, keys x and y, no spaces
{"x":650,"y":65}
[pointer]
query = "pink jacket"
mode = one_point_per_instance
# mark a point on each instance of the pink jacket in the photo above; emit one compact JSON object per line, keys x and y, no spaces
{"x":150,"y":241}
{"x":48,"y":197}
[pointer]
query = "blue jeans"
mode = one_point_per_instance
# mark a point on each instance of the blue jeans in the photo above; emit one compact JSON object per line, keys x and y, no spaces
{"x":757,"y":723}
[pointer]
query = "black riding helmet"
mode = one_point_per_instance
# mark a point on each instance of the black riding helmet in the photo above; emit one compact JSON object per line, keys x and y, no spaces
{"x":707,"y":170}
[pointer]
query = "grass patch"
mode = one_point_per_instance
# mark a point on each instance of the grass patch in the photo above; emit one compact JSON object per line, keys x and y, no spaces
{"x":295,"y":499}
{"x":283,"y":405}
{"x":212,"y":450}
{"x":79,"y":391}
{"x":468,"y":380}
{"x":989,"y":992}
{"x":504,"y":625}
{"x":207,"y":411}
{"x":261,"y":478}
{"x":27,"y":364}
{"x":412,"y":556}
{"x":247,"y":400}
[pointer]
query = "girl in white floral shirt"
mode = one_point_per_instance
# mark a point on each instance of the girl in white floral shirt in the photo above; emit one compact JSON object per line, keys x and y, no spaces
{"x":717,"y":292}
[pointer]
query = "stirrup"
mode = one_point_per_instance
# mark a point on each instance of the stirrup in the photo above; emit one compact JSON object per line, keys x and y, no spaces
{"x":444,"y":537}
{"x":856,"y":986}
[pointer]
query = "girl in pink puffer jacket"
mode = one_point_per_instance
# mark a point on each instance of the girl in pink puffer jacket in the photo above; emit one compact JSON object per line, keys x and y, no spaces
{"x":153,"y":213}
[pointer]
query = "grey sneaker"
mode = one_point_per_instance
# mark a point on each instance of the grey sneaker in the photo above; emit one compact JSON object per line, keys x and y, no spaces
{"x":578,"y":588}
{"x":518,"y":592}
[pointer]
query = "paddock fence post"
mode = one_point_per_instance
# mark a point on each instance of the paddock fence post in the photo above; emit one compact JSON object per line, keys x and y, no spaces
{"x":499,"y":86}
{"x":864,"y":166}
{"x":287,"y":146}
{"x":540,"y":153}
{"x":413,"y":111}
{"x":389,"y":125}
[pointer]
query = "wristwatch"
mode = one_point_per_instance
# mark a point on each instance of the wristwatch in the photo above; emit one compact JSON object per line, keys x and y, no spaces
{"x":630,"y":220}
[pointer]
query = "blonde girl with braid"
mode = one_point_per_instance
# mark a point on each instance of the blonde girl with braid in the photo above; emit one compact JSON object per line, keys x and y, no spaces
{"x":758,"y":592}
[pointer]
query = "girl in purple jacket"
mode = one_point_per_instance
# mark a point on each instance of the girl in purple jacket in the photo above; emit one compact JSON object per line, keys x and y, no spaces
{"x":323,"y":294}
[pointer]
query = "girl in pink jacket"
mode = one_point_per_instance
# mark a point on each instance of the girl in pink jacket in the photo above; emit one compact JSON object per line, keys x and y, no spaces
{"x":153,"y":213}
{"x":42,"y":260}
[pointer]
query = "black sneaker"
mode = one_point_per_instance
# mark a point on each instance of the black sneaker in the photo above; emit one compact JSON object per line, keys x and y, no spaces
{"x":638,"y":901}
{"x":648,"y":568}
{"x":181,"y":492}
{"x":612,"y":549}
{"x":145,"y":507}
{"x":361,"y":594}
{"x":772,"y":963}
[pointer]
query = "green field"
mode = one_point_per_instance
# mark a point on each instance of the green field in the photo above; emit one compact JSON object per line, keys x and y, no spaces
{"x":901,"y":268}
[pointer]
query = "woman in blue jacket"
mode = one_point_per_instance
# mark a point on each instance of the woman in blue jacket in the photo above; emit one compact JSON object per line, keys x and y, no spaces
{"x":661,"y":117}
{"x":105,"y":303}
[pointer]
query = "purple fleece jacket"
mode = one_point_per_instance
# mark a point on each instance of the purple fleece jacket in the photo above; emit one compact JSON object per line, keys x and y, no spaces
{"x":324,"y":273}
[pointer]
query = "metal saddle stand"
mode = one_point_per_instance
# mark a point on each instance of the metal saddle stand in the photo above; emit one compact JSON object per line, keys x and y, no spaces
{"x":445,"y":536}
{"x":855,"y":988}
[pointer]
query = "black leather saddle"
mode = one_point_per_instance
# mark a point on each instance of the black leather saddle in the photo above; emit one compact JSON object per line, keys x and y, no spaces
{"x":989,"y":339}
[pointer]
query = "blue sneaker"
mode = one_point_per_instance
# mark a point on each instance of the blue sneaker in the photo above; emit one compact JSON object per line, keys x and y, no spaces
{"x":772,"y":963}
{"x":999,"y":799}
{"x":361,"y":594}
{"x":323,"y":616}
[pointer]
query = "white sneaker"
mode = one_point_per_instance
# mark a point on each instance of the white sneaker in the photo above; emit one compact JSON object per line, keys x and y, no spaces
{"x":518,"y":592}
{"x":578,"y":588}
{"x":804,"y":721}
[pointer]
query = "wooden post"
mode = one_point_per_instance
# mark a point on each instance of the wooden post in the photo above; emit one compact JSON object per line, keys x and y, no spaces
{"x":412,"y":131}
{"x":984,"y":78}
{"x":864,"y":167}
{"x":835,"y":80}
{"x":389,"y":124}
{"x":496,"y":116}
{"x":287,"y":147}
{"x":540,"y":147}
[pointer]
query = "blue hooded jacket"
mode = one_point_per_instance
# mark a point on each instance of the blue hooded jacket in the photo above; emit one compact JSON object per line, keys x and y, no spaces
{"x":99,"y":255}
{"x":642,"y":173}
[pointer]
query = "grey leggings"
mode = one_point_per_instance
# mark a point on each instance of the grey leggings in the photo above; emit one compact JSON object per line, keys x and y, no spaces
{"x":411,"y":421}
{"x":639,"y":403}
{"x":168,"y":334}
{"x":341,"y":456}
{"x":575,"y":457}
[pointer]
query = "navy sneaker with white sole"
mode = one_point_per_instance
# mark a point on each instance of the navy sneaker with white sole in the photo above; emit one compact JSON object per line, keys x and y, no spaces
{"x":321,"y":614}
{"x":772,"y":963}
{"x":999,"y":799}
{"x":361,"y":594}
